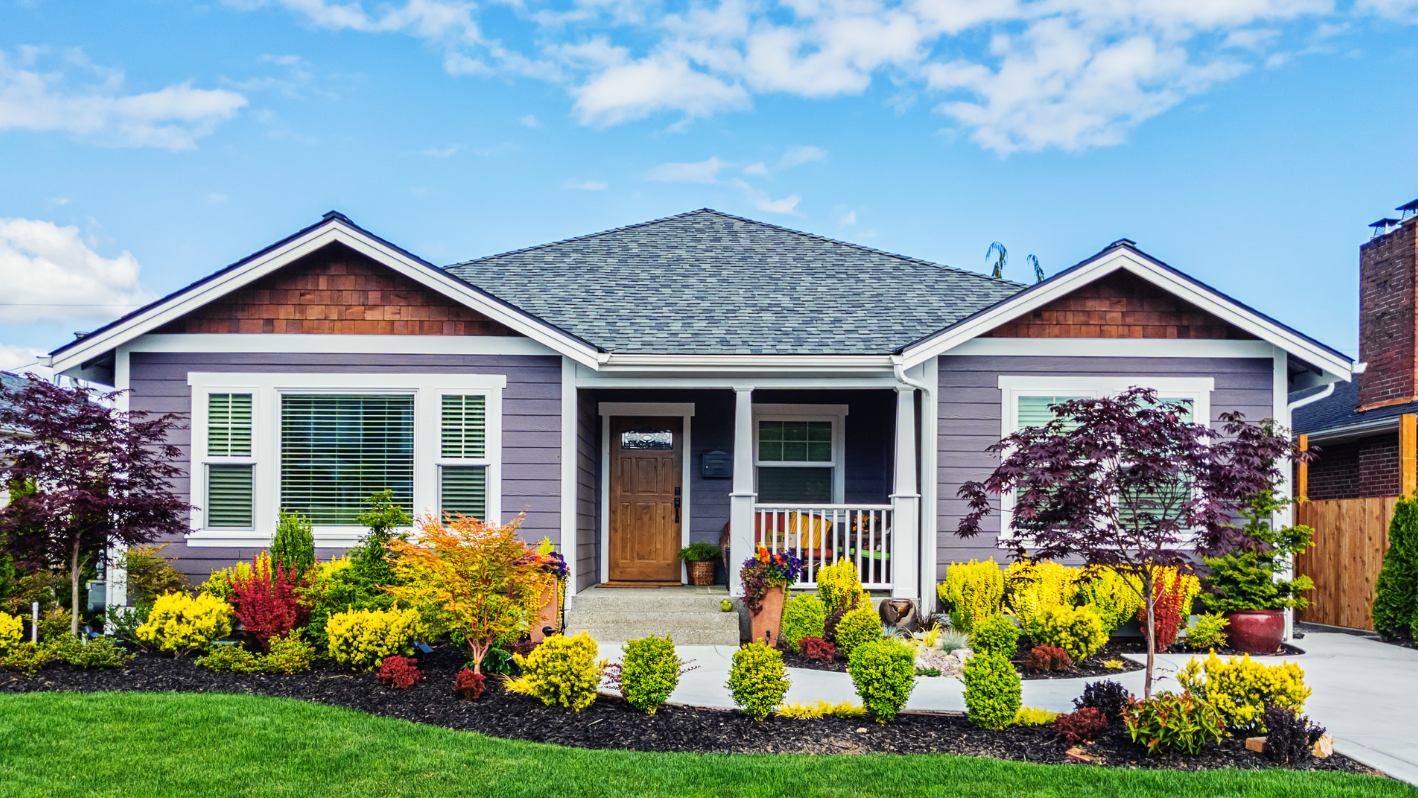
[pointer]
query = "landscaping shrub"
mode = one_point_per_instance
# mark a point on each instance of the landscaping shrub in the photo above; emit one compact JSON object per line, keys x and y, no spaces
{"x":1252,"y":573}
{"x":998,"y":636}
{"x":357,"y":580}
{"x":270,"y":602}
{"x":1034,"y":716}
{"x":220,"y":582}
{"x":150,"y":574}
{"x":1396,"y":591}
{"x":818,"y":649}
{"x":290,"y":653}
{"x":1114,"y":596}
{"x":803,"y":616}
{"x":12,"y":631}
{"x":361,"y":639}
{"x":649,"y":672}
{"x":840,"y":587}
{"x":564,"y":670}
{"x":470,"y":685}
{"x":1289,"y":735}
{"x":179,"y":623}
{"x":1169,"y":722}
{"x":1175,"y":591}
{"x":95,"y":654}
{"x":399,"y":673}
{"x":972,"y":592}
{"x":1077,"y":630}
{"x":26,"y":658}
{"x":1208,"y":632}
{"x":1080,"y":726}
{"x":1048,"y":659}
{"x":884,"y":673}
{"x":230,"y":659}
{"x":858,"y":627}
{"x":820,"y":709}
{"x":1107,"y":696}
{"x":953,"y":640}
{"x":1241,"y":689}
{"x":1035,"y":588}
{"x":293,"y":547}
{"x":991,"y":691}
{"x":757,"y":680}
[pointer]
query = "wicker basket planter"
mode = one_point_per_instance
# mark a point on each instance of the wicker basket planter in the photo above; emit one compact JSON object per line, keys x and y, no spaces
{"x":701,"y":574}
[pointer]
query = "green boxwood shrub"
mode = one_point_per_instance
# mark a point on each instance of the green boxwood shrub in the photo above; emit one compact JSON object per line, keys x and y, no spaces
{"x":998,"y":635}
{"x":859,"y":626}
{"x":1396,"y":591}
{"x":992,"y":691}
{"x":804,"y":616}
{"x":884,"y":673}
{"x":757,"y":679}
{"x":1077,"y":630}
{"x":649,"y":672}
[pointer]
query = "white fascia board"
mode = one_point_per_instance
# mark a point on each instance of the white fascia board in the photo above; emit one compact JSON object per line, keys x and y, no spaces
{"x":682,"y":364}
{"x":335,"y":231}
{"x":1262,"y":328}
{"x":340,"y":344}
{"x":1113,"y":347}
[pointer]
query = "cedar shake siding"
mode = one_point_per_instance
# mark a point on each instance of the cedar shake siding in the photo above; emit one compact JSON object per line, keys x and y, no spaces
{"x":588,"y":493}
{"x":336,"y":290}
{"x":1120,"y":305}
{"x":531,"y":421}
{"x":970,"y":406}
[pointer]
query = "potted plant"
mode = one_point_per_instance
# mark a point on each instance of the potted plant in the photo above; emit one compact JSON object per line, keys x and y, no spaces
{"x":698,"y":560}
{"x":1244,"y":583}
{"x":765,"y":576}
{"x":549,"y":561}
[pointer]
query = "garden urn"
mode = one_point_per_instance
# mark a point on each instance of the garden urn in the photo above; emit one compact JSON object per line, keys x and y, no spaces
{"x":1256,"y":631}
{"x":700,"y":573}
{"x":769,"y":617}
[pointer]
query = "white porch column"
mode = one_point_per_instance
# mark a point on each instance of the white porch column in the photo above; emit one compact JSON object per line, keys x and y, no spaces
{"x":742,"y":496}
{"x":905,"y":501}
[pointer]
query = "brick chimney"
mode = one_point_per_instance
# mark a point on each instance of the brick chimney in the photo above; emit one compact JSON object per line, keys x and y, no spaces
{"x":1388,"y":325}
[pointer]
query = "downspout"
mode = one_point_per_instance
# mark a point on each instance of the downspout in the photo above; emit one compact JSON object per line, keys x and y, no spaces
{"x":1308,"y":400}
{"x":925,"y":549}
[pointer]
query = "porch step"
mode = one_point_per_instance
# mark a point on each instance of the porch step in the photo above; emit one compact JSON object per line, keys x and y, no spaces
{"x":611,"y":615}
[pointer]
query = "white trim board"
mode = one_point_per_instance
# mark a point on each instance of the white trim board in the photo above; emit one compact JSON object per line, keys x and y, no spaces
{"x":339,"y":344}
{"x":1112,"y":347}
{"x":608,"y":410}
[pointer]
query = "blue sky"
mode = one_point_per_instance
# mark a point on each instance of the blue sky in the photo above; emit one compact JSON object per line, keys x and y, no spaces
{"x":146,"y":143}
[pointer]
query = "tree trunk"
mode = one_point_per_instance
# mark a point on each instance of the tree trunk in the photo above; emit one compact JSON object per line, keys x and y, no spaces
{"x":1151,"y":632}
{"x":74,"y":591}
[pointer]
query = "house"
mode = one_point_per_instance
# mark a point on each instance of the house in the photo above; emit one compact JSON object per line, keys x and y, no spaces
{"x":645,"y":387}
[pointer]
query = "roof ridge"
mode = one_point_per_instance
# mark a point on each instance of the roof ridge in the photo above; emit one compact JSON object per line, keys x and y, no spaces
{"x":579,"y":238}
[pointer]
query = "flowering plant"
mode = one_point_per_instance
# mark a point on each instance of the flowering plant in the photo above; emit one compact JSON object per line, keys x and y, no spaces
{"x":765,"y":570}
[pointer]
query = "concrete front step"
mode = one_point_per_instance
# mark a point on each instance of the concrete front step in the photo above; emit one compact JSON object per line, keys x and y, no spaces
{"x":682,"y":635}
{"x":689,"y":616}
{"x":647,"y":601}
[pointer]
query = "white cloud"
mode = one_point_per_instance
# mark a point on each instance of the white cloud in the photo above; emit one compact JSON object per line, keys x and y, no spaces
{"x":847,"y":219}
{"x":587,"y":185}
{"x":530,"y":121}
{"x":801,"y":155}
{"x":756,"y":169}
{"x":699,"y":172}
{"x":440,"y":152}
{"x":15,"y":359}
{"x":636,"y":89}
{"x":171,"y":118}
{"x":49,"y":273}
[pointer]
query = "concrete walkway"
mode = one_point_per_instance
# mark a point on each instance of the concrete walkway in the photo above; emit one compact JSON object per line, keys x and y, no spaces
{"x":1363,"y":692}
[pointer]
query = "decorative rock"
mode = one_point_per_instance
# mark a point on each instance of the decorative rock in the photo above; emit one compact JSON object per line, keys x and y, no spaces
{"x":1256,"y":744}
{"x":962,"y":654}
{"x":1077,"y":753}
{"x":1323,"y":747}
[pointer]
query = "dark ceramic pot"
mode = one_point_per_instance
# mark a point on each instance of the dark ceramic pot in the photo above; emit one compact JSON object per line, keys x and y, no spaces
{"x":1256,"y":631}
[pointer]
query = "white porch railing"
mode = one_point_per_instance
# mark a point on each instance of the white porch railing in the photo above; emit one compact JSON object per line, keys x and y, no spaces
{"x":824,"y":534}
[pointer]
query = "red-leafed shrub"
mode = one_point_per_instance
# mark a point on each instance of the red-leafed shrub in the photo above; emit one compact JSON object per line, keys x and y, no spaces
{"x":469,"y":685}
{"x":1169,"y":610}
{"x":817,"y":648}
{"x":524,"y":647}
{"x":400,"y":673}
{"x":269,"y":602}
{"x":1048,"y":659}
{"x":1080,"y":726}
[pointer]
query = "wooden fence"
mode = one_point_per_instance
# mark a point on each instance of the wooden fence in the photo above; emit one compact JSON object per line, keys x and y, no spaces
{"x":1351,"y":536}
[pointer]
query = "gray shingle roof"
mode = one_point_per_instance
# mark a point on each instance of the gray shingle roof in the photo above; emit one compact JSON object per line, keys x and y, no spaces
{"x":1338,"y":409}
{"x":706,"y":282}
{"x":11,"y":382}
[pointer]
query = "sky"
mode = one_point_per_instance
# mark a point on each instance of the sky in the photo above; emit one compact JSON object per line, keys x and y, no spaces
{"x":146,"y":143}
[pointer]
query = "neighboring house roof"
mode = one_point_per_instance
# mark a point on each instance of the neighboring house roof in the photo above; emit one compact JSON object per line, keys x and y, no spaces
{"x":707,"y":283}
{"x":10,"y":382}
{"x":1337,"y":415}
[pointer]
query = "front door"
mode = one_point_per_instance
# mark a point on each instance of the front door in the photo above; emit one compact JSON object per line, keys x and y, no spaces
{"x":646,"y":489}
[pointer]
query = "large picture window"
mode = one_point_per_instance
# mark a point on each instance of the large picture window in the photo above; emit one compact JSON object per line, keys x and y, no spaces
{"x":338,"y":450}
{"x":798,"y":453}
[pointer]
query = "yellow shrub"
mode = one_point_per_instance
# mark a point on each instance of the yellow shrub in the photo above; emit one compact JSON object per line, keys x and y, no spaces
{"x":1241,"y":689}
{"x":1037,"y":587}
{"x":1111,"y":595}
{"x":837,"y":584}
{"x":180,"y":623}
{"x":12,"y":631}
{"x":363,"y":638}
{"x":972,"y":591}
{"x":1034,"y":716}
{"x":220,"y":583}
{"x":821,"y":709}
{"x":564,"y":670}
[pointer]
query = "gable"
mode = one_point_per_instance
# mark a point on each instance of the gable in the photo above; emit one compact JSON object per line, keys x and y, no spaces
{"x":336,"y":290}
{"x":1119,"y":305}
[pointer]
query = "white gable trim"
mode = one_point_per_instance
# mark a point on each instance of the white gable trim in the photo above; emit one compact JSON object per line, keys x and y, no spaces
{"x":335,"y":230}
{"x":1114,"y":260}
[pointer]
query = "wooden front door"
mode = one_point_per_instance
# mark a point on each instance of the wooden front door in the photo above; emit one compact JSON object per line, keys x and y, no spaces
{"x":646,"y":487}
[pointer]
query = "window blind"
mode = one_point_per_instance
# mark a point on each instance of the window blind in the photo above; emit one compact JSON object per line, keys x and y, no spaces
{"x":464,"y":491}
{"x":337,"y":450}
{"x":1034,"y":410}
{"x":807,"y":485}
{"x":464,"y":426}
{"x":229,"y":496}
{"x":229,"y":425}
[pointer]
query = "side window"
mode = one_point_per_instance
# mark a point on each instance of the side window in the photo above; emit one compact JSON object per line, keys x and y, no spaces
{"x":462,"y":483}
{"x":230,"y":469}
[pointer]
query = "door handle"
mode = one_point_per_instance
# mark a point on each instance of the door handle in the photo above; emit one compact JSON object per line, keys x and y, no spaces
{"x":676,"y":509}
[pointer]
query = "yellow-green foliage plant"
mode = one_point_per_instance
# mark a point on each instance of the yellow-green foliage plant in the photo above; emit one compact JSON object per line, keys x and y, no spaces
{"x":362,"y":639}
{"x":1034,"y":716}
{"x":564,"y":670}
{"x":12,"y":631}
{"x":1114,"y":596}
{"x":757,"y":680}
{"x":179,"y":623}
{"x":649,"y":672}
{"x":820,"y":709}
{"x":1037,"y":587}
{"x":290,"y":653}
{"x":1208,"y":632}
{"x":1077,"y":630}
{"x":803,"y":616}
{"x":884,"y":673}
{"x":997,"y":635}
{"x":992,"y":691}
{"x":1241,"y":689}
{"x":858,"y":627}
{"x":221,"y":581}
{"x":839,"y":586}
{"x":972,"y":592}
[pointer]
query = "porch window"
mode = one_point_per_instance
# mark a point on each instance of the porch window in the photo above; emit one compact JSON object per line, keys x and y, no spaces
{"x":799,"y":454}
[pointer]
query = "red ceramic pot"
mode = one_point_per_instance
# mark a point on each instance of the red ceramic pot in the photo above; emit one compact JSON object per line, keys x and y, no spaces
{"x":769,"y":617}
{"x":1256,"y":631}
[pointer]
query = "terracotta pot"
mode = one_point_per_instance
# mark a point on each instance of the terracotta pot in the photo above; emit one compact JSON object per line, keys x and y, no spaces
{"x":700,"y":573}
{"x":1256,"y":631}
{"x":769,"y":617}
{"x":548,"y":616}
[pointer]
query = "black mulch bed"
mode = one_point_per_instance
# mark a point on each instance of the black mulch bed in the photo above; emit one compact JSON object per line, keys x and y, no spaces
{"x":611,"y":723}
{"x":1093,"y":666}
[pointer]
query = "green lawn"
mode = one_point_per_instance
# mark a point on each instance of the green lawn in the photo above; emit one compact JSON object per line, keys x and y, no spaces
{"x":137,"y":745}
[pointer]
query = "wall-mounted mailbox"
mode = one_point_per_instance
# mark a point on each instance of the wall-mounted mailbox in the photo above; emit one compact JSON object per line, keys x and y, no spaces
{"x":717,"y":465}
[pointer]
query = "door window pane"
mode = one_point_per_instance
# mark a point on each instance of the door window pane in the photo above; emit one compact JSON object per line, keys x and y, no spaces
{"x":647,"y":438}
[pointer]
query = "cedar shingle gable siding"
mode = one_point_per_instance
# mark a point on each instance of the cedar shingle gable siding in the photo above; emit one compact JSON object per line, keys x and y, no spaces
{"x":336,"y":291}
{"x":1119,"y":305}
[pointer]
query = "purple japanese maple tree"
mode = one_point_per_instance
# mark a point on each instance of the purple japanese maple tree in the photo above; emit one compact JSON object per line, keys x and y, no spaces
{"x":100,"y":476}
{"x":1129,"y":483}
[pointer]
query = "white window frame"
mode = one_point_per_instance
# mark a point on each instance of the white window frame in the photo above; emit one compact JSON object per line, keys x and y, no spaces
{"x":836,"y":414}
{"x":1196,"y":389}
{"x":266,"y":389}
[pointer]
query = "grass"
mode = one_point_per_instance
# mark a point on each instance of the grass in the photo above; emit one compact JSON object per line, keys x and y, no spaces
{"x":138,"y":745}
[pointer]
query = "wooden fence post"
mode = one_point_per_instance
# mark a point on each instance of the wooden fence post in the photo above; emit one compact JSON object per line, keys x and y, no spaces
{"x":1407,"y":454}
{"x":1302,"y":471}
